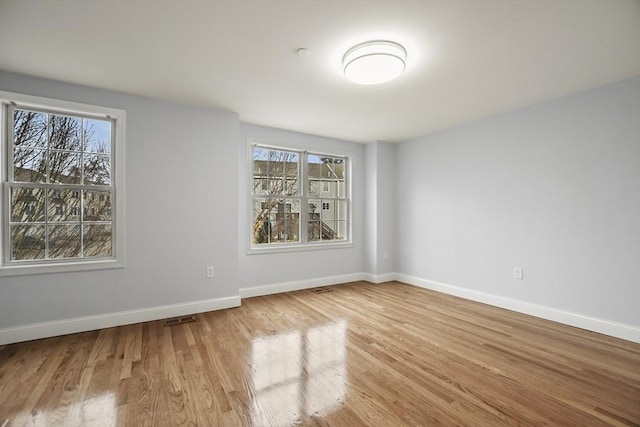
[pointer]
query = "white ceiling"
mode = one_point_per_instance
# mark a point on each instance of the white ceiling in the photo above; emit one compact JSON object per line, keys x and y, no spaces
{"x":467,"y":59}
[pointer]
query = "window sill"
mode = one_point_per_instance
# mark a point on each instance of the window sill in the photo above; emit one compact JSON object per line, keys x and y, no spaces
{"x":286,"y":248}
{"x":63,"y":267}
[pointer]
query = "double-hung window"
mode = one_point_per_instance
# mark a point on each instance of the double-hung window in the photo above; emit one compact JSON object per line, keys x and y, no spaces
{"x":62,"y":185}
{"x":299,"y":198}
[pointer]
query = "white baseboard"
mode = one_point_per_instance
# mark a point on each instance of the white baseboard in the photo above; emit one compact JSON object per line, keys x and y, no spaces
{"x":89,"y":323}
{"x":606,"y":327}
{"x":298,"y":285}
{"x":380,"y":278}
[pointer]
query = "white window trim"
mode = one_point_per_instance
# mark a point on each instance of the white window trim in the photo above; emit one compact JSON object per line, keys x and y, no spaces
{"x":297,"y":246}
{"x":118,"y":178}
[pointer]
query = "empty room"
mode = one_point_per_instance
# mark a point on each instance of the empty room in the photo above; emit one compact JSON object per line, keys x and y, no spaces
{"x":319,"y":213}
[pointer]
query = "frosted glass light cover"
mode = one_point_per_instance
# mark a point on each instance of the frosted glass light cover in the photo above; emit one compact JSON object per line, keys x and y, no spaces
{"x":374,"y":62}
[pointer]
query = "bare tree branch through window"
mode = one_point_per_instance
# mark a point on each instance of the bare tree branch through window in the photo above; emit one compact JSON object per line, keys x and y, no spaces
{"x":61,"y":195}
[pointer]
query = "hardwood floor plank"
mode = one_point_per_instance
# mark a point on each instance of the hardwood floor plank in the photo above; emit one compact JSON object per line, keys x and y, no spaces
{"x":362,"y":355}
{"x":103,"y":347}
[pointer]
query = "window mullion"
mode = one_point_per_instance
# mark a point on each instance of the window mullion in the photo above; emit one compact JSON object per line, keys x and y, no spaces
{"x":81,"y":216}
{"x":47,"y":180}
{"x":6,"y":225}
{"x":10,"y":149}
{"x":304,"y":198}
{"x":82,"y":181}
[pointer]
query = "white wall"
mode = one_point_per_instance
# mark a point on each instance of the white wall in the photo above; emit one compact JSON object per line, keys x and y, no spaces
{"x":380,"y":214}
{"x":554,"y":188}
{"x":371,"y":209}
{"x":267,"y":273}
{"x":181,"y":199}
{"x":386,"y":207}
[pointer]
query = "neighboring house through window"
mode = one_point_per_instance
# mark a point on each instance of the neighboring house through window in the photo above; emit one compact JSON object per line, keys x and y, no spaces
{"x":63,"y":168}
{"x":298,"y":198}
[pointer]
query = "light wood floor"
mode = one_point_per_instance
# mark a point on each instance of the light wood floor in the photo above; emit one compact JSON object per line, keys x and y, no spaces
{"x":362,"y":355}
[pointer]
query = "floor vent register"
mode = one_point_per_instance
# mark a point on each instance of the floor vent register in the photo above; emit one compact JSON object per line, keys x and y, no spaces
{"x":179,"y":320}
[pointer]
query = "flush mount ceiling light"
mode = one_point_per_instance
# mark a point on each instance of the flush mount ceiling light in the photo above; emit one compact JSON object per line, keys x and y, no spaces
{"x":374,"y":62}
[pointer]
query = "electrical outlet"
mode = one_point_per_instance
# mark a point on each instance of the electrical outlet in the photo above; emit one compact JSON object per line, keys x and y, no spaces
{"x":405,"y":256}
{"x":211,"y":271}
{"x":518,"y":273}
{"x":385,"y":255}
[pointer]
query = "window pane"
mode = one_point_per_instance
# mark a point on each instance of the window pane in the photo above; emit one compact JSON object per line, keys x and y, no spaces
{"x":264,"y":210}
{"x":290,"y":167}
{"x":29,"y":129}
{"x":64,"y":241}
{"x":260,"y":181}
{"x":314,"y":165}
{"x":329,"y":188}
{"x":315,"y":186}
{"x":260,"y":186}
{"x":64,"y":133}
{"x":327,"y":219}
{"x":64,"y":167}
{"x":328,"y":210}
{"x":341,"y":210}
{"x":286,"y":162}
{"x":27,"y":242}
{"x":274,"y":229}
{"x":341,"y":189}
{"x":314,"y":225}
{"x":275,"y":185}
{"x":314,"y":231}
{"x":97,"y":169}
{"x":326,"y":168}
{"x":276,"y":220}
{"x":97,"y":136}
{"x":288,"y":217}
{"x":329,"y":230}
{"x":29,"y":165}
{"x":291,"y":186}
{"x":97,"y":241}
{"x":27,"y":205}
{"x":286,"y":227}
{"x":97,"y":206}
{"x":315,"y":207}
{"x":341,"y":230}
{"x":281,"y":170}
{"x":274,"y":164}
{"x":326,"y":175}
{"x":260,"y":154}
{"x":293,"y":226}
{"x":64,"y":206}
{"x":338,"y":168}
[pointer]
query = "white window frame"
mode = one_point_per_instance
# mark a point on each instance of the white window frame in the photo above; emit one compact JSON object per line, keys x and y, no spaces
{"x":303,"y":244}
{"x":8,"y":101}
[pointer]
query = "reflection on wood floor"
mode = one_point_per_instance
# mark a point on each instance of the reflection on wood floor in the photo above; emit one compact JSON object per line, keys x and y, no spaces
{"x":363,"y":355}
